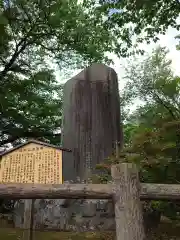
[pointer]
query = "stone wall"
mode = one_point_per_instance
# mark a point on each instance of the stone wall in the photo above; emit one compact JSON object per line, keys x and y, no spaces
{"x":79,"y":215}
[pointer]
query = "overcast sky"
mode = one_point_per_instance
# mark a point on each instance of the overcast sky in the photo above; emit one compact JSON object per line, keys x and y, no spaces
{"x":167,"y":40}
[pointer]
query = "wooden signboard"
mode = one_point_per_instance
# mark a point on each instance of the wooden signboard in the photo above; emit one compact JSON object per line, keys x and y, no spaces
{"x":32,"y":162}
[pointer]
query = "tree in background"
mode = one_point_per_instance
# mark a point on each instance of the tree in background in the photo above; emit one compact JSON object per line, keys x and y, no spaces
{"x":32,"y":35}
{"x":152,"y":132}
{"x":68,"y":34}
{"x":158,"y":120}
{"x":178,"y":45}
{"x":140,"y":20}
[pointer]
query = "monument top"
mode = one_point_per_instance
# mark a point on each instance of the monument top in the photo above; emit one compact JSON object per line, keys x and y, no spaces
{"x":96,"y":72}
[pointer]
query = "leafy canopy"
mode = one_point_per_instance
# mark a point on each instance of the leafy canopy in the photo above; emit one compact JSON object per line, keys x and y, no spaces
{"x":34,"y":36}
{"x":152,"y":132}
{"x":137,"y":21}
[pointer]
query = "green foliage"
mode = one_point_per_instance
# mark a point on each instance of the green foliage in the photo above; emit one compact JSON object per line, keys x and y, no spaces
{"x":69,"y":34}
{"x":152,"y":132}
{"x":178,"y":45}
{"x":56,"y":29}
{"x":32,"y":35}
{"x":29,"y":108}
{"x":142,"y":20}
{"x":156,"y":141}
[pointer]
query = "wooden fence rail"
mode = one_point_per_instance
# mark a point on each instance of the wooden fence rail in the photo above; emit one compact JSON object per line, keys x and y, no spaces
{"x":148,"y":191}
{"x":126,"y":192}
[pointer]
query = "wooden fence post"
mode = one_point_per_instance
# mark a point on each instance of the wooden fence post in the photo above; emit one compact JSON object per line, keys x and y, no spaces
{"x":28,"y":219}
{"x":126,"y":197}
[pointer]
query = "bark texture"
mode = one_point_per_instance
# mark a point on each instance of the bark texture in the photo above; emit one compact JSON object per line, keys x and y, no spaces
{"x":128,"y":210}
{"x":148,"y":191}
{"x":91,"y":124}
{"x":55,"y":191}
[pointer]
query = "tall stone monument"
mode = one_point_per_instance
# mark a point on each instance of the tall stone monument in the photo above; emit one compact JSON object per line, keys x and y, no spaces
{"x":91,"y":122}
{"x":91,"y":128}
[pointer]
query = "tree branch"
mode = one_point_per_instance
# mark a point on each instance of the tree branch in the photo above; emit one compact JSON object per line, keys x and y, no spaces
{"x":36,"y":135}
{"x":14,"y":57}
{"x":165,"y":106}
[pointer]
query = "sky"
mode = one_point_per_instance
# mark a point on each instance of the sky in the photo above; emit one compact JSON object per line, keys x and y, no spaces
{"x":168,"y":40}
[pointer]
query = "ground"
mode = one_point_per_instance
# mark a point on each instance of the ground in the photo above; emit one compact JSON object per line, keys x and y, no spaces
{"x":166,"y":231}
{"x":15,"y":234}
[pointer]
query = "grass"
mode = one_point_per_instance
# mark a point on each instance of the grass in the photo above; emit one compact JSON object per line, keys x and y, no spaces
{"x":7,"y":232}
{"x":165,"y":231}
{"x":16,"y":234}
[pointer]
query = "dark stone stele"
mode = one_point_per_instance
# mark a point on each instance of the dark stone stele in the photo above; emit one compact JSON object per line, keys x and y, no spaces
{"x":91,"y":121}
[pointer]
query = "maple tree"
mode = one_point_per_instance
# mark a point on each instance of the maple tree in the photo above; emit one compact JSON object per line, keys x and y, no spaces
{"x":152,"y":132}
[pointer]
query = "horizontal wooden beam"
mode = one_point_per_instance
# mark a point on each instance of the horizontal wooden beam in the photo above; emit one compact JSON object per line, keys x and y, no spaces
{"x":88,"y":191}
{"x":55,"y":191}
{"x":154,"y":191}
